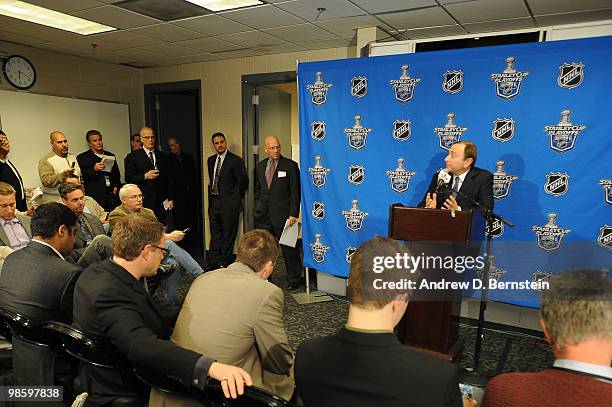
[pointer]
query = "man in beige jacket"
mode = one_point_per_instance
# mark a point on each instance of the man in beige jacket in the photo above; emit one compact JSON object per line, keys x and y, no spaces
{"x":235,"y":316}
{"x":55,"y":166}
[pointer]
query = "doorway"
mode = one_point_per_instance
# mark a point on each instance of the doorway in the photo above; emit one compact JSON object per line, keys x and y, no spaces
{"x":173,"y":110}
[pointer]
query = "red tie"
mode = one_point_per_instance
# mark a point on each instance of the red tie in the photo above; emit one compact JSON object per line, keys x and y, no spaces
{"x":271,"y":173}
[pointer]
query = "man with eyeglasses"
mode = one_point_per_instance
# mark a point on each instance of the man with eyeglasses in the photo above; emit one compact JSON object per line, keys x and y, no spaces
{"x":148,"y":168}
{"x":131,"y":204}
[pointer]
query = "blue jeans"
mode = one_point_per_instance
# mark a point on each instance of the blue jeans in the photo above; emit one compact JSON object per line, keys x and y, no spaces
{"x":183,"y":259}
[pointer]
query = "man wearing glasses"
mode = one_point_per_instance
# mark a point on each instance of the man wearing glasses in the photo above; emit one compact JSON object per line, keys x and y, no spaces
{"x":148,"y":168}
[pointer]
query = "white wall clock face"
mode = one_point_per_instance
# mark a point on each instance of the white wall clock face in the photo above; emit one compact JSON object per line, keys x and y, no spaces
{"x":19,"y":72}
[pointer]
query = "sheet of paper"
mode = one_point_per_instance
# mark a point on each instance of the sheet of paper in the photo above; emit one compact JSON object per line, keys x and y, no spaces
{"x":36,"y":193}
{"x":289,"y":235}
{"x":108,"y":161}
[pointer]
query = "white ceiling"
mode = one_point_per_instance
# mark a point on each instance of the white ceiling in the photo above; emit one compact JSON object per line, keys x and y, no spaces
{"x":284,"y":26}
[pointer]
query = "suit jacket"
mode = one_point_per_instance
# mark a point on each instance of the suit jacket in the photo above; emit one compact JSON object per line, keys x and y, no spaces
{"x":110,"y":303}
{"x":249,"y":333}
{"x":121,"y":211}
{"x":95,"y":181}
{"x":25,"y":222}
{"x":80,"y":242}
{"x":183,"y":173}
{"x":275,"y":204}
{"x":155,"y":191}
{"x":372,"y":369}
{"x":478,"y":185}
{"x":233,"y":182}
{"x":7,"y":175}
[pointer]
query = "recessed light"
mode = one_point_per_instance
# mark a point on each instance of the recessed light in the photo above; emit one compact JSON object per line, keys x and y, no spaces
{"x":40,"y":15}
{"x":221,"y":5}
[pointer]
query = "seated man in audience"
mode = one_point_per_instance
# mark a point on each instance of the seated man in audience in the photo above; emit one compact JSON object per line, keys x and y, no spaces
{"x":576,"y":317}
{"x":364,"y":364}
{"x":111,"y":302}
{"x":15,"y":231}
{"x":236,"y":316}
{"x":37,"y":282}
{"x":92,"y":207}
{"x":56,"y":166}
{"x":131,"y":203}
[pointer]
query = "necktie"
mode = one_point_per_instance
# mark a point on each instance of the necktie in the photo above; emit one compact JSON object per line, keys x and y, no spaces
{"x":85,"y":231}
{"x":270,"y":175}
{"x":456,"y":186}
{"x":215,"y":185}
{"x":152,"y":158}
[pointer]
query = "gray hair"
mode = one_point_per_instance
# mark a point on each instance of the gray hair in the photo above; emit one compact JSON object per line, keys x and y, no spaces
{"x":124,"y":190}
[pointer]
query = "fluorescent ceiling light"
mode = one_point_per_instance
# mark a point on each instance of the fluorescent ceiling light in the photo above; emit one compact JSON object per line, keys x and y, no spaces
{"x":50,"y":18}
{"x":220,"y":5}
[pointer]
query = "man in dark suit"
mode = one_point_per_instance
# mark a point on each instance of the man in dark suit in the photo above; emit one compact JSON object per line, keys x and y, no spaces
{"x":37,"y":282}
{"x":364,"y":364}
{"x":473,"y":184}
{"x":112,"y":302}
{"x":9,"y":173}
{"x":228,"y":183}
{"x":186,"y":191}
{"x":148,"y":168}
{"x":101,"y":185}
{"x":277,"y":201}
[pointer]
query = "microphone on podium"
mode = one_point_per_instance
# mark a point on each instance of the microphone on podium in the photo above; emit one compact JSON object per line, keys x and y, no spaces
{"x":443,"y":178}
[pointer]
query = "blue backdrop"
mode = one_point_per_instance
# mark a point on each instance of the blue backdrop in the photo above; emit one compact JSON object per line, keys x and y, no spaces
{"x":373,"y":131}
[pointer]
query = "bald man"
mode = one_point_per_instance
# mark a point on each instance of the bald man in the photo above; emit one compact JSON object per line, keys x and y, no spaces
{"x":56,"y":166}
{"x":148,"y":168}
{"x":277,"y":200}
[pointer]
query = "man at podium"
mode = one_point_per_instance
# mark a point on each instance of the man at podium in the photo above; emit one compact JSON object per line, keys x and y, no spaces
{"x":461,"y":183}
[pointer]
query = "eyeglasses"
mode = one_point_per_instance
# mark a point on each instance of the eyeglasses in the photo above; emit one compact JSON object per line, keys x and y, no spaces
{"x":165,"y":251}
{"x":147,"y":137}
{"x":135,"y":196}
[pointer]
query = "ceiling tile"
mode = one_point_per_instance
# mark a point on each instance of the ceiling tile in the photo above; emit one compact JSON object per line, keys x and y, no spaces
{"x":307,"y":9}
{"x":335,"y":43}
{"x":171,"y":50}
{"x":167,"y":32}
{"x":540,"y":7}
{"x":300,"y":32}
{"x":432,"y":32}
{"x":204,"y":57}
{"x":385,"y":6}
{"x":20,"y":38}
{"x":66,"y":6}
{"x":251,"y":39}
{"x":212,"y":25}
{"x":40,"y":31}
{"x":126,"y":38}
{"x":279,"y":48}
{"x":209,"y":44}
{"x":573,"y":18}
{"x":116,"y":17}
{"x":240,"y":53}
{"x":81,"y":46}
{"x":347,"y":27}
{"x":266,"y":16}
{"x":500,"y":25}
{"x":427,"y":17}
{"x":487,"y":10}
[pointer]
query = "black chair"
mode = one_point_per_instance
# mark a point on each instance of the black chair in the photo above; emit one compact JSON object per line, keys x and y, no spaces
{"x":252,"y":397}
{"x":21,"y":327}
{"x":166,"y":385}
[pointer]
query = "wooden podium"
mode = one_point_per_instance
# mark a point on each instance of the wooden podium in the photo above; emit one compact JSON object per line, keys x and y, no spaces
{"x":433,"y":325}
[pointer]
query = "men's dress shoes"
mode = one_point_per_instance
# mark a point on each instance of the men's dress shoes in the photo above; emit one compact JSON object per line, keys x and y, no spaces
{"x":295,"y":286}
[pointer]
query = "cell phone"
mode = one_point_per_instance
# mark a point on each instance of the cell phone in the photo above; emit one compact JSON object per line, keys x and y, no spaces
{"x":185,"y":231}
{"x":73,"y":164}
{"x":466,"y":390}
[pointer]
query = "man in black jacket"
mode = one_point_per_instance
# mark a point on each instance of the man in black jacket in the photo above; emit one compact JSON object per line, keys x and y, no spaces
{"x":472,"y":183}
{"x":186,"y":191}
{"x":277,"y":201}
{"x":112,"y":302}
{"x":101,"y":185}
{"x":10,"y":174}
{"x":228,"y":183}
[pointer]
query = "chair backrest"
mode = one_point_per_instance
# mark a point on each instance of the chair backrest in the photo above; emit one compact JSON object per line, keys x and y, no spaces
{"x":24,"y":329}
{"x":252,"y":397}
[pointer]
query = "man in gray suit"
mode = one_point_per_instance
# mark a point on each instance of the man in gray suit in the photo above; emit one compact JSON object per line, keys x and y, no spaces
{"x":15,"y":231}
{"x":37,"y":282}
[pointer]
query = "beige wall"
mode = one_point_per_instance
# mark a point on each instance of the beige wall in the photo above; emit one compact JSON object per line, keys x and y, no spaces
{"x":66,"y":75}
{"x":222,"y":90}
{"x":291,"y":88}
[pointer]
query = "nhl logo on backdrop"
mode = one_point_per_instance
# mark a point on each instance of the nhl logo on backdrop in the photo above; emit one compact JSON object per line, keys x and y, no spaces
{"x":359,"y":86}
{"x":563,"y":136}
{"x":317,"y":130}
{"x":318,"y":249}
{"x":605,"y":237}
{"x":497,"y":228}
{"x":508,"y":83}
{"x":557,"y":183}
{"x":541,"y":277}
{"x":318,"y":173}
{"x":354,"y":217}
{"x":402,"y":130}
{"x":453,"y":81}
{"x":501,"y":181}
{"x":450,"y":133}
{"x":318,"y":210}
{"x":403,"y":87}
{"x":607,"y":186}
{"x":494,"y":272}
{"x":356,"y":174}
{"x":503,"y":129}
{"x":357,"y":135}
{"x":319,"y":89}
{"x":400,"y":178}
{"x":550,"y":235}
{"x":570,"y":75}
{"x":350,"y":250}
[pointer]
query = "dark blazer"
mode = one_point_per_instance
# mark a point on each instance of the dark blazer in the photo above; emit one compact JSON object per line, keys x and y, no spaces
{"x":110,"y":303}
{"x":372,"y":369}
{"x":25,"y":222}
{"x":7,"y":175}
{"x":282,"y":200}
{"x":95,"y":183}
{"x":478,"y":185}
{"x":155,"y":191}
{"x":233,"y":181}
{"x":94,"y":225}
{"x":183,"y":172}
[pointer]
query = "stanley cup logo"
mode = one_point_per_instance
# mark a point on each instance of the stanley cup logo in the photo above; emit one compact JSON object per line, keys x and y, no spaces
{"x":501,"y":181}
{"x":550,"y":235}
{"x":563,"y":136}
{"x":494,"y":272}
{"x":508,"y":83}
{"x":318,"y":249}
{"x":319,"y":89}
{"x":354,"y":217}
{"x":403,"y":87}
{"x":450,"y":133}
{"x":400,"y":178}
{"x":357,"y":135}
{"x":450,"y":121}
{"x":318,"y":173}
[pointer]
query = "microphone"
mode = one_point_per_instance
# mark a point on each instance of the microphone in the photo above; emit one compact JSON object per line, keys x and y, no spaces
{"x":443,"y":178}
